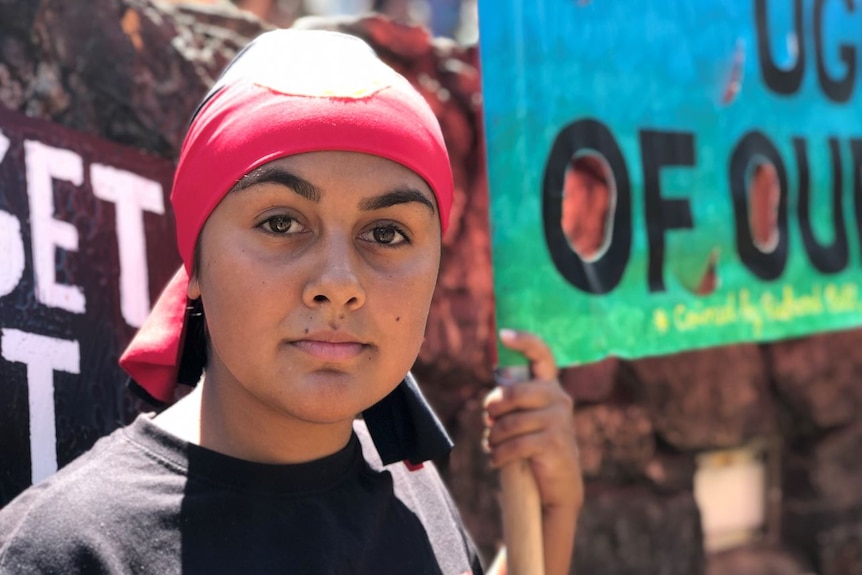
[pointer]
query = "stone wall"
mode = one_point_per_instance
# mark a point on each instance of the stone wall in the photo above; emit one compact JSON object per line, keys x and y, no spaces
{"x":133,"y":70}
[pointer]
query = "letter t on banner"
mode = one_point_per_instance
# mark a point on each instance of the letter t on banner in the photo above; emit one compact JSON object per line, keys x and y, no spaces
{"x":42,"y":355}
{"x":132,"y":194}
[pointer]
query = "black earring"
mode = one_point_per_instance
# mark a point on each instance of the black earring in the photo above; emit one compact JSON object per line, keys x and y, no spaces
{"x":193,"y":358}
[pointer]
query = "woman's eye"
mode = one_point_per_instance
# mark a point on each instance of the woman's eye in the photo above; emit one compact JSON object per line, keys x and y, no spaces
{"x":386,"y":235}
{"x":280,"y":224}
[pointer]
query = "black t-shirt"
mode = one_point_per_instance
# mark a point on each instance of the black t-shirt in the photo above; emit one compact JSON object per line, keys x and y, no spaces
{"x":143,"y":501}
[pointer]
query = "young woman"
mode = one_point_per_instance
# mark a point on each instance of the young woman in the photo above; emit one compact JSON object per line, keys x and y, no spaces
{"x":310,"y":198}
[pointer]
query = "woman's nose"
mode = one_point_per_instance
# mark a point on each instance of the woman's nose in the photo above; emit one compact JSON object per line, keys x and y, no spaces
{"x":333,"y":278}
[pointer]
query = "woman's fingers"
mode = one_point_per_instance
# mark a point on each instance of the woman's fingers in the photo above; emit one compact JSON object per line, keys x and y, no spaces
{"x":516,"y":424}
{"x":534,"y":421}
{"x":541,"y":446}
{"x":537,"y":352}
{"x":523,"y":395}
{"x":513,"y":432}
{"x":554,"y":459}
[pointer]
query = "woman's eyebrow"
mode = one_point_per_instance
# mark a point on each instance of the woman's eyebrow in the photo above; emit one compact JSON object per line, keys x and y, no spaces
{"x":272,"y":174}
{"x":395,"y":197}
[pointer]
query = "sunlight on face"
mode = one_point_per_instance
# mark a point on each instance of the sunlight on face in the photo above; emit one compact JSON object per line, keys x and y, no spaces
{"x":316,"y":275}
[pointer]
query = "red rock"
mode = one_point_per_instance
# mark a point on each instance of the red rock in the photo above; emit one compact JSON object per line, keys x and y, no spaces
{"x":671,"y":472}
{"x":634,"y":531}
{"x":819,"y":377}
{"x":706,"y":398}
{"x":827,"y":474}
{"x":841,"y":550}
{"x":591,"y":382}
{"x":616,"y":442}
{"x":756,"y":560}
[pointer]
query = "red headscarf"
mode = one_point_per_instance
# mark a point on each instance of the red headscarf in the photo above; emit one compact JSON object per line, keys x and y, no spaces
{"x":286,"y":93}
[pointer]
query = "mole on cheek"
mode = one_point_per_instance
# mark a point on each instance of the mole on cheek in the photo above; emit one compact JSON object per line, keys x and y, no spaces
{"x":398,"y":318}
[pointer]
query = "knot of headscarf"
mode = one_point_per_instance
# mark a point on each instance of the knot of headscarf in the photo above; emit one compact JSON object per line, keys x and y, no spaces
{"x":290,"y":92}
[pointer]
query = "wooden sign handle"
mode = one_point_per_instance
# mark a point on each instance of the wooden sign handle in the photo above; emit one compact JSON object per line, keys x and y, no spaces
{"x":521,"y":506}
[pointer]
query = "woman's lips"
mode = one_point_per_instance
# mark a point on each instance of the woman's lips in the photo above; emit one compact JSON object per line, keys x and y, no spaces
{"x":329,"y":351}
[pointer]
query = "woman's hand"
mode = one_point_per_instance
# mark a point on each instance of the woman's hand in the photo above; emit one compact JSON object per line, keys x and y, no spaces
{"x":534,"y":420}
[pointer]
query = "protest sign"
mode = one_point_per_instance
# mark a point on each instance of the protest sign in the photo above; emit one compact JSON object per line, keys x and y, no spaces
{"x":86,"y":243}
{"x":667,"y":176}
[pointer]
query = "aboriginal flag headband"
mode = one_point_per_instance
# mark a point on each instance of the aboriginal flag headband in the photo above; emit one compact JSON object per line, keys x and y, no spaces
{"x":286,"y":93}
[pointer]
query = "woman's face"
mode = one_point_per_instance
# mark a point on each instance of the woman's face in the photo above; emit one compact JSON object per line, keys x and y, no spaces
{"x":316,"y":276}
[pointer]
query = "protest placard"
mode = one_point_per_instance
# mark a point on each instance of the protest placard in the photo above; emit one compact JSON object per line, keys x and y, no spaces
{"x":86,"y":243}
{"x":667,"y":176}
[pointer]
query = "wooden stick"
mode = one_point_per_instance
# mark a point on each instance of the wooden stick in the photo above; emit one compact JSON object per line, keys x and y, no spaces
{"x":521,"y":506}
{"x":522,"y":520}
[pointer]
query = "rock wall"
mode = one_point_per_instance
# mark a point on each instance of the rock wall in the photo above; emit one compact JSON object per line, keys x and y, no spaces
{"x":133,"y":70}
{"x":130,"y":71}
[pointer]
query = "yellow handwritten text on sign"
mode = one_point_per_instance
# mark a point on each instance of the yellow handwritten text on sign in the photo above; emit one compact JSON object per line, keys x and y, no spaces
{"x":776,"y":306}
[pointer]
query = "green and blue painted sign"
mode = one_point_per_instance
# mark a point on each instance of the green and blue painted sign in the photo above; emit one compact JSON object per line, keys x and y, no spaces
{"x":725,"y":140}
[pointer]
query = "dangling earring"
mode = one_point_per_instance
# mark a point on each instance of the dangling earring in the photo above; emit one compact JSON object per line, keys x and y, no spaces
{"x":193,"y":358}
{"x":195,"y":308}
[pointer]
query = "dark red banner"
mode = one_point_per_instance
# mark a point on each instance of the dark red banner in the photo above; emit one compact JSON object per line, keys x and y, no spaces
{"x":86,"y":244}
